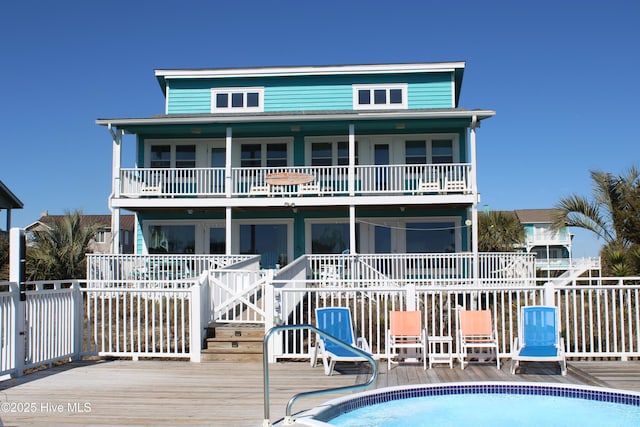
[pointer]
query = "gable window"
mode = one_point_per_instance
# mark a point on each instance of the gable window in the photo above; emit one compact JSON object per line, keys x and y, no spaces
{"x":101,"y":235}
{"x":371,"y":97}
{"x":231,"y":100}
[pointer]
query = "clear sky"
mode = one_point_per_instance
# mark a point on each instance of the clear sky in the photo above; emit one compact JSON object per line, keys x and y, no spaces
{"x":563,"y":77}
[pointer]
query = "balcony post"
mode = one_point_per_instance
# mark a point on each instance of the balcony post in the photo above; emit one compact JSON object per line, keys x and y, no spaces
{"x":352,"y":229}
{"x":227,"y":231}
{"x":227,"y":163}
{"x":116,"y":161}
{"x":352,"y":159}
{"x":476,"y":197}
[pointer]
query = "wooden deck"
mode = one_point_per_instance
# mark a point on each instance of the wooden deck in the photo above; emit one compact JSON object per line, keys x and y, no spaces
{"x":174,"y":393}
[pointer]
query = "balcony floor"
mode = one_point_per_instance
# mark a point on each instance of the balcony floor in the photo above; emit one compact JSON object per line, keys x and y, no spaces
{"x":122,"y":392}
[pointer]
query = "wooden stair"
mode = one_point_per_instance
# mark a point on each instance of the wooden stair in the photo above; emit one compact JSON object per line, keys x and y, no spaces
{"x":233,"y":343}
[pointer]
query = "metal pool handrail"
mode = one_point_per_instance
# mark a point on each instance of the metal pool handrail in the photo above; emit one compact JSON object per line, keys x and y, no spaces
{"x":288,"y":418}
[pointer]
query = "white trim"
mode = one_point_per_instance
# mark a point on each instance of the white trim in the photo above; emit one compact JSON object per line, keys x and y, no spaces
{"x":404,"y":87}
{"x":233,"y":90}
{"x":420,"y":67}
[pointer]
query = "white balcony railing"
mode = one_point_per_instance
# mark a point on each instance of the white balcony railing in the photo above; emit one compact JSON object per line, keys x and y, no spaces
{"x":327,"y":180}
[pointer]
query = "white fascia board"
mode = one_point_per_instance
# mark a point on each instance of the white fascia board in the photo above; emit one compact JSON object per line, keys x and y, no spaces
{"x":216,"y":73}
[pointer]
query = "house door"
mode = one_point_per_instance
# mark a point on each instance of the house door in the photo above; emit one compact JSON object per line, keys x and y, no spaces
{"x":218,"y":159}
{"x":381,"y":157}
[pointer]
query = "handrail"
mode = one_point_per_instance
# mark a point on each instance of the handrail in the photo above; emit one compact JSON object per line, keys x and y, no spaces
{"x":265,"y":361}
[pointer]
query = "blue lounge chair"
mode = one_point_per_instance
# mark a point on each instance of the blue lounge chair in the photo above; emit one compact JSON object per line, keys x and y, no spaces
{"x":540,"y":339}
{"x":336,"y":321}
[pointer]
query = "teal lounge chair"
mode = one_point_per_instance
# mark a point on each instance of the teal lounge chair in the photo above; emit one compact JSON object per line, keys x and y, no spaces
{"x":336,"y":321}
{"x":539,"y":338}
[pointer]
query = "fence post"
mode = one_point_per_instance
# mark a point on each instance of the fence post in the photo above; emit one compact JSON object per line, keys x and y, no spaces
{"x":78,"y":320}
{"x":549,"y":294}
{"x":16,"y":277}
{"x":272,"y":315}
{"x":410,"y":296}
{"x":195,"y":323}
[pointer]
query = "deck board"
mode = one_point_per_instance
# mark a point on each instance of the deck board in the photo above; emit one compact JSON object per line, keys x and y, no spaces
{"x":164,"y":393}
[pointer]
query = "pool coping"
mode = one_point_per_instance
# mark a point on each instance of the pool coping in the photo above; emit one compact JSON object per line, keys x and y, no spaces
{"x":319,"y":415}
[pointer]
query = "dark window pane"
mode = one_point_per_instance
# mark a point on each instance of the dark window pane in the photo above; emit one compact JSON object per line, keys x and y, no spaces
{"x":380,"y":96}
{"x":364,"y":96}
{"x":237,"y":100}
{"x":160,"y":156}
{"x":442,"y":151}
{"x":276,"y":155}
{"x":222,"y":100}
{"x":430,"y":237}
{"x":186,"y":156}
{"x":415,"y":152}
{"x":250,"y":155}
{"x":395,"y":96}
{"x":252,"y":99}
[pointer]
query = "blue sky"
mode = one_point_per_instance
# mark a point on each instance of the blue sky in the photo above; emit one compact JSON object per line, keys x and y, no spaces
{"x":562,"y":77}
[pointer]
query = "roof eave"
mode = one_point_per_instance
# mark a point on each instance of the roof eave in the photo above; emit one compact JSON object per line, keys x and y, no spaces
{"x":266,"y":118}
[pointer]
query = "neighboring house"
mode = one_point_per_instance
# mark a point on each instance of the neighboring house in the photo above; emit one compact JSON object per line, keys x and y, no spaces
{"x":551,"y":246}
{"x":8,"y":201}
{"x":286,"y":161}
{"x":102,"y":243}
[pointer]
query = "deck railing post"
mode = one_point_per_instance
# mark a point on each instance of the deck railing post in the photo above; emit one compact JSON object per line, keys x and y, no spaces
{"x":78,"y":320}
{"x":195,"y":323}
{"x":549,"y":294}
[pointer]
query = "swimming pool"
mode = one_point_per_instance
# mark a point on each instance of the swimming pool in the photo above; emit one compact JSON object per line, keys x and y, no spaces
{"x":495,"y":404}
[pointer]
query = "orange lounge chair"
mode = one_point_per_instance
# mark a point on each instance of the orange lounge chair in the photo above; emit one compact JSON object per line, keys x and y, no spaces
{"x":475,"y":330}
{"x":406,"y":332}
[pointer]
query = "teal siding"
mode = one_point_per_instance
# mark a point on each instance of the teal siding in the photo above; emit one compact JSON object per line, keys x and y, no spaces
{"x":316,"y":93}
{"x":308,"y":98}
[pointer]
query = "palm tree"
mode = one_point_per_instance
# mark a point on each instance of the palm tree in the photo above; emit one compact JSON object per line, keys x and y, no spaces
{"x":613,"y":215}
{"x":499,"y":232}
{"x":60,"y":248}
{"x":4,"y":256}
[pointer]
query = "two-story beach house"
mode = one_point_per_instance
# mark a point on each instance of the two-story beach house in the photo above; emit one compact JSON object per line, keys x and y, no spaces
{"x":285,"y":161}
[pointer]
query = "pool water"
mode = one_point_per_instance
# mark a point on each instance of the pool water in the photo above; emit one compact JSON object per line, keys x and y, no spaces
{"x":494,"y":410}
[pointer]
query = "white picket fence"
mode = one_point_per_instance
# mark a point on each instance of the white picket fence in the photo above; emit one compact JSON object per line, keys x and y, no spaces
{"x":63,"y":320}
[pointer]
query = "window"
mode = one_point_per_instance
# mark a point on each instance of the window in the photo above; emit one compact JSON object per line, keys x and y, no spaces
{"x":231,"y":100}
{"x":268,"y":240}
{"x":428,"y":151}
{"x":172,"y":156}
{"x":370,"y":97}
{"x":263,"y":154}
{"x":331,"y":153}
{"x":430,"y":237}
{"x":171,"y":239}
{"x":101,"y":235}
{"x":330,"y":238}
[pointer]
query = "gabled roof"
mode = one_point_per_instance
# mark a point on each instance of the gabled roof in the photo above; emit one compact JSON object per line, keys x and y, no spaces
{"x":8,"y":200}
{"x":537,"y":216}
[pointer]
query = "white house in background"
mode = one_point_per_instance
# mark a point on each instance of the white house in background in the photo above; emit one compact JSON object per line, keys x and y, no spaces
{"x":552,"y":247}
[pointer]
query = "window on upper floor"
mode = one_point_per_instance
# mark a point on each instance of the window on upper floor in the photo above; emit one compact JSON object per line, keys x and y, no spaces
{"x":172,"y":156}
{"x":428,"y":151}
{"x":256,"y":155}
{"x":232,"y":100}
{"x":372,"y":97}
{"x":101,"y":235}
{"x":334,"y":153}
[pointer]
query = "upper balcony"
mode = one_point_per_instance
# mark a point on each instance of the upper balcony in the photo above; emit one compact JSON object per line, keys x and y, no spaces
{"x":369,"y":180}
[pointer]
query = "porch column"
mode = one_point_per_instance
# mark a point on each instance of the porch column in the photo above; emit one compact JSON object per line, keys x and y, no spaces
{"x":115,"y":190}
{"x":352,"y":229}
{"x":8,"y":227}
{"x":476,"y":197}
{"x":227,"y":231}
{"x":352,"y":159}
{"x":227,"y":162}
